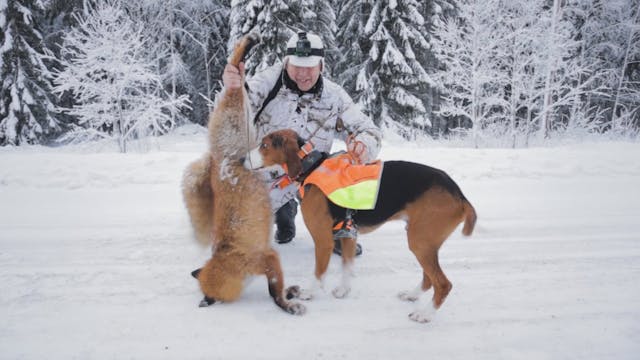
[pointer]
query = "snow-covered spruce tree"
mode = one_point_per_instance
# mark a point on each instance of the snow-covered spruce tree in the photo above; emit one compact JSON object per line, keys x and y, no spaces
{"x":26,"y":105}
{"x":57,"y":20}
{"x":276,"y":21}
{"x":117,"y":89}
{"x":352,"y":43}
{"x":271,"y":19}
{"x":319,"y":17}
{"x":393,"y":82}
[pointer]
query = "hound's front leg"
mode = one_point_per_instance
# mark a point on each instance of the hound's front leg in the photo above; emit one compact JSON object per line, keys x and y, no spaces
{"x":315,"y":212}
{"x":323,"y":252}
{"x":348,"y":256}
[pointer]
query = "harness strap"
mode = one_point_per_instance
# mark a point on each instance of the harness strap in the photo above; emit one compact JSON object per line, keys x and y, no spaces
{"x":282,"y":182}
{"x":305,"y":149}
{"x":272,"y":94}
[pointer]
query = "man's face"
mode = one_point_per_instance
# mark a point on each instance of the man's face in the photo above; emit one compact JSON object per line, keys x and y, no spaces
{"x":305,"y":77}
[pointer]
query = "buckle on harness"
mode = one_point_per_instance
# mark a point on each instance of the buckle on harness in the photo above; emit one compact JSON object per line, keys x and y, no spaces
{"x":305,"y":149}
{"x":345,"y":228}
{"x":282,"y":182}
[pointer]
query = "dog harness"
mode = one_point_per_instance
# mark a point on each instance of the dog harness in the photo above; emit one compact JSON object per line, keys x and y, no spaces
{"x":346,"y":184}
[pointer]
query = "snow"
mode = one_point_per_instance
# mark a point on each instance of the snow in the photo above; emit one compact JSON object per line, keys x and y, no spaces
{"x":96,"y":251}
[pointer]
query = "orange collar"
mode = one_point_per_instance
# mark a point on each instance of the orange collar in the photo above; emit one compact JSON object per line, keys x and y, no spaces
{"x":305,"y":149}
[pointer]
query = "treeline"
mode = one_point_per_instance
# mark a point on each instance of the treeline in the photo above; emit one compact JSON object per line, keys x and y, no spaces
{"x":76,"y":70}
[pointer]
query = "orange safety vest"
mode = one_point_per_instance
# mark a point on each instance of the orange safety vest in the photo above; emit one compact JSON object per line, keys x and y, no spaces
{"x":345,"y":184}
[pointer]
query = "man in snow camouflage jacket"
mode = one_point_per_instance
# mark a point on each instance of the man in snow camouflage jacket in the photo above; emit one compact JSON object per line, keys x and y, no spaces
{"x":295,"y":95}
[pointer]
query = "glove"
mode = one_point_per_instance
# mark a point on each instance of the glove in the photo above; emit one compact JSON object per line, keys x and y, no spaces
{"x":357,"y":150}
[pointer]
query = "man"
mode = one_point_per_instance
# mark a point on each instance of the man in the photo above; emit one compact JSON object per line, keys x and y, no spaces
{"x":295,"y":95}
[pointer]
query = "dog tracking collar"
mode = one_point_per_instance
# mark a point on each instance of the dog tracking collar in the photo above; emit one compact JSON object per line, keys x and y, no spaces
{"x":305,"y":149}
{"x":310,"y":159}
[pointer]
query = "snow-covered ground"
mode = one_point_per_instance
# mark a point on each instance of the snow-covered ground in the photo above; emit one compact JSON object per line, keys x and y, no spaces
{"x":96,"y":251}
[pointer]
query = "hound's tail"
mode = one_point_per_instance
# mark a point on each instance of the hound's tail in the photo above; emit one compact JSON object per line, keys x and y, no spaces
{"x":243,"y":47}
{"x":470,"y":218}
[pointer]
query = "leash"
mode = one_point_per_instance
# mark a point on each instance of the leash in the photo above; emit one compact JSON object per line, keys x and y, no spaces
{"x":355,"y":149}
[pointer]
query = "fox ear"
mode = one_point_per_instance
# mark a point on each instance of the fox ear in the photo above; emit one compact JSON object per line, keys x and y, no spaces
{"x":195,"y":273}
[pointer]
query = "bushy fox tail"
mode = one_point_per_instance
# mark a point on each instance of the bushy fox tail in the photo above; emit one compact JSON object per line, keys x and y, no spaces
{"x":198,"y":198}
{"x":243,"y":47}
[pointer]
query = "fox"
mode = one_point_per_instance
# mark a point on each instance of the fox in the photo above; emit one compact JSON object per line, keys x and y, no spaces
{"x":229,"y":205}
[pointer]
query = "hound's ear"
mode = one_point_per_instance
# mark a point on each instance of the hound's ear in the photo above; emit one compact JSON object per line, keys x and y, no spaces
{"x":277,"y":141}
{"x":294,"y":164}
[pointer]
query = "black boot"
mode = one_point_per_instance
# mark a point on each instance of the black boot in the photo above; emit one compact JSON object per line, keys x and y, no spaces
{"x":345,"y":229}
{"x":285,"y":222}
{"x":337,"y":247}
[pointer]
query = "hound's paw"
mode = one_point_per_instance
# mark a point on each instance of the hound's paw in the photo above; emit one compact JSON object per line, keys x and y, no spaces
{"x":296,"y":292}
{"x":292,"y":292}
{"x":296,"y":309}
{"x":408,"y":296}
{"x":341,"y":292}
{"x":420,"y":316}
{"x":305,"y":295}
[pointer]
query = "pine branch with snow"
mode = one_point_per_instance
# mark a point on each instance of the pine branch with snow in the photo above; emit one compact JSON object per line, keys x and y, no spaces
{"x":393,"y":82}
{"x":26,"y":105}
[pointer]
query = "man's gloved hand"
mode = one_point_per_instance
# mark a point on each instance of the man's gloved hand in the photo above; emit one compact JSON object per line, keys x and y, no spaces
{"x":357,"y":150}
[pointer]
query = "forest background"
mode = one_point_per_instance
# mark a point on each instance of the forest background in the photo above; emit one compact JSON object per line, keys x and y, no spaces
{"x":507,"y":73}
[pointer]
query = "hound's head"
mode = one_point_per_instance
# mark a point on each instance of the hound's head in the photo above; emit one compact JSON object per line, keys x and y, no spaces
{"x":277,"y":148}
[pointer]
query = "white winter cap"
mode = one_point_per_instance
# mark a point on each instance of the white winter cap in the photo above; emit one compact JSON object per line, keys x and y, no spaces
{"x":304,"y":49}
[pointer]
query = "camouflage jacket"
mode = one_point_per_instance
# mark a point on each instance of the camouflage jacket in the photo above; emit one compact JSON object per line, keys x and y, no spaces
{"x":320,"y":117}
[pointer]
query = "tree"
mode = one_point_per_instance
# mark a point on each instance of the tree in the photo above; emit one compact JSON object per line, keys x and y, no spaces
{"x":626,"y":119}
{"x":271,"y":19}
{"x":276,"y":21}
{"x":26,"y":106}
{"x":117,"y":89}
{"x":431,"y":10}
{"x":471,"y":79}
{"x":205,"y":33}
{"x":189,"y":40}
{"x":602,"y":35}
{"x":522,"y":99}
{"x":393,"y":81}
{"x":353,"y":45}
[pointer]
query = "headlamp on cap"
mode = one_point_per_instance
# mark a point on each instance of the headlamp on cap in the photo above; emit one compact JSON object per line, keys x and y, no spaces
{"x":303,"y":47}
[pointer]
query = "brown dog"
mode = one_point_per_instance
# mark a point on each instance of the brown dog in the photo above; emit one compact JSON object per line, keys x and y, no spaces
{"x":237,"y":220}
{"x":426,"y":198}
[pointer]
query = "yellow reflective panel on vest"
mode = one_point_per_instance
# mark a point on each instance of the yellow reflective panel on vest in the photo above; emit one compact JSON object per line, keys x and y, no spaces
{"x":360,"y":196}
{"x":347,"y":185}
